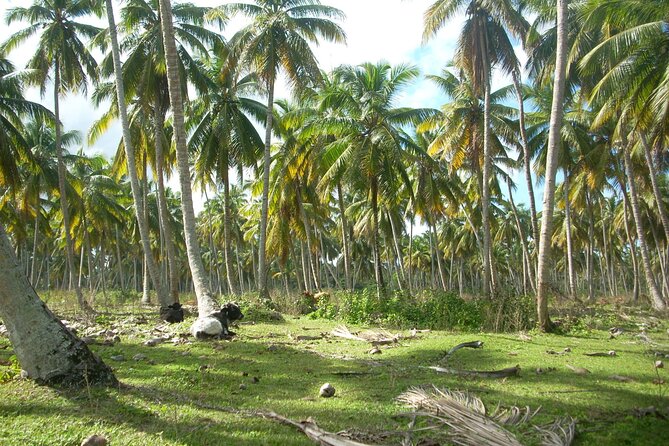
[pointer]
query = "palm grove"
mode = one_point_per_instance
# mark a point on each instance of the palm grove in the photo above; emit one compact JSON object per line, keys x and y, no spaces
{"x":343,"y":187}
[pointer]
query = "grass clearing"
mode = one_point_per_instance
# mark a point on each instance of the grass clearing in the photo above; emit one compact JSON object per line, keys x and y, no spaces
{"x":176,"y":394}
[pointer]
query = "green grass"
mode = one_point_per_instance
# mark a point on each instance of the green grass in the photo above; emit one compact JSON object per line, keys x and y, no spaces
{"x":163,"y":398}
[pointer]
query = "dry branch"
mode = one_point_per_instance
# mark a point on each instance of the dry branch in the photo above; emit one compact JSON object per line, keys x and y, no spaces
{"x":374,"y":337}
{"x":504,"y":373}
{"x":311,"y":430}
{"x":472,"y":344}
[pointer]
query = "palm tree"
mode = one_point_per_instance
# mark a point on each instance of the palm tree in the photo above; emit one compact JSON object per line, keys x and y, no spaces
{"x":13,"y":109}
{"x":483,"y":44}
{"x":369,"y":148}
{"x":205,"y":302}
{"x":543,"y":319}
{"x":49,"y":352}
{"x":224,"y":136}
{"x":164,"y":299}
{"x":278,"y":38}
{"x":61,"y":52}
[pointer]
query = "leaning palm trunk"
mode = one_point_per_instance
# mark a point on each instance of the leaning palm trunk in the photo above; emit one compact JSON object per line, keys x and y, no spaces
{"x":630,"y":242}
{"x":262,"y":236}
{"x":656,"y":296}
{"x":205,"y":302}
{"x":62,"y":175}
{"x":557,"y":111}
{"x":165,"y":217}
{"x":46,"y":350}
{"x":151,"y":265}
{"x":656,"y":187}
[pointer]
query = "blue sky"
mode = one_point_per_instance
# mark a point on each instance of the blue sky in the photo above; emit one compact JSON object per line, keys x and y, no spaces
{"x":388,"y":30}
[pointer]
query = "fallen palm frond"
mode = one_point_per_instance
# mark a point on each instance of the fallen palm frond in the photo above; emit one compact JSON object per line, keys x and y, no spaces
{"x":470,"y":424}
{"x":560,"y":433}
{"x":463,"y":413}
{"x":514,"y":415}
{"x":504,"y":373}
{"x":375,"y":337}
{"x":311,"y":430}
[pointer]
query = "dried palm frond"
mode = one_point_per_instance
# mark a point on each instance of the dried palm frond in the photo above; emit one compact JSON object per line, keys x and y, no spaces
{"x":560,"y":433}
{"x":513,"y":416}
{"x":463,"y":413}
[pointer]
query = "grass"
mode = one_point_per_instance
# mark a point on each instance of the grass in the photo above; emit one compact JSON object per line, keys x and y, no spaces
{"x":179,"y":394}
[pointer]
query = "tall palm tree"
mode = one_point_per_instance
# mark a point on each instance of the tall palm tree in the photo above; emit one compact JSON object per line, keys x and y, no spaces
{"x":63,"y":54}
{"x":223,"y":136}
{"x":152,"y":267}
{"x":483,"y":44}
{"x":543,"y":319}
{"x":278,"y":38}
{"x":205,"y":301}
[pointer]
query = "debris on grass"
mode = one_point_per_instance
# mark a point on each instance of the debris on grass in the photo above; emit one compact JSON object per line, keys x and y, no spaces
{"x":315,"y":433}
{"x":578,"y":370}
{"x":471,"y":344}
{"x":504,"y":373}
{"x":609,"y":353}
{"x":469,"y":424}
{"x":375,"y":337}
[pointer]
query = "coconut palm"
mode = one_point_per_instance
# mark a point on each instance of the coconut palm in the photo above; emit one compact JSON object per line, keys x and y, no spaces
{"x":62,"y":54}
{"x":223,"y":136}
{"x":205,"y":302}
{"x":152,"y":268}
{"x":369,"y":147}
{"x":277,"y":39}
{"x":543,"y":320}
{"x":483,"y":45}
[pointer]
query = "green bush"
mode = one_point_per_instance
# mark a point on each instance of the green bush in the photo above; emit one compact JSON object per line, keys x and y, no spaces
{"x":436,"y":310}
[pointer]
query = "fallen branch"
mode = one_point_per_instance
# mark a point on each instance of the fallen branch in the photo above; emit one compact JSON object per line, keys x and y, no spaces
{"x":311,"y":430}
{"x":374,"y":337}
{"x":472,"y":344}
{"x":504,"y":373}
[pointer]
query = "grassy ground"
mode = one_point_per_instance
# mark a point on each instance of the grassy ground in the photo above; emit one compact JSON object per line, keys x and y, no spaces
{"x":179,"y":394}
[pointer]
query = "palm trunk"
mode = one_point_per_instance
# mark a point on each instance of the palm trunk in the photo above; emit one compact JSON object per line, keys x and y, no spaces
{"x":33,"y":279}
{"x":143,"y":225}
{"x":398,"y":251}
{"x":557,"y":110}
{"x":656,"y":296}
{"x":205,"y":302}
{"x":165,"y":217}
{"x":526,"y":156}
{"x":307,"y":231}
{"x":378,"y":273}
{"x":591,"y":249}
{"x":570,"y":247}
{"x":485,"y":195}
{"x":344,"y":237}
{"x":437,"y":253}
{"x":656,"y":187}
{"x":62,"y":175}
{"x":227,"y":223}
{"x":119,"y":261}
{"x":521,"y":234}
{"x":47,"y":351}
{"x":262,"y":268}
